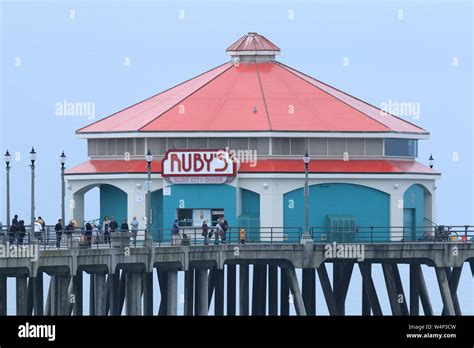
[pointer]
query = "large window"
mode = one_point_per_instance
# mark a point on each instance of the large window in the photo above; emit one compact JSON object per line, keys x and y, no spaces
{"x":280,"y":146}
{"x":401,"y":147}
{"x":373,"y":147}
{"x":261,"y":145}
{"x":336,"y":146}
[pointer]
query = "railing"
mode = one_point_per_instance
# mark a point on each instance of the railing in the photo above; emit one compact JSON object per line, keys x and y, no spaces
{"x":81,"y":239}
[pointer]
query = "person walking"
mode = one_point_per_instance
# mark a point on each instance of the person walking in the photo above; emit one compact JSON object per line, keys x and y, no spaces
{"x":105,"y":228}
{"x":134,"y":224}
{"x":217,"y":232}
{"x":13,"y":231}
{"x":59,"y":232}
{"x":205,"y":232}
{"x":224,"y":226}
{"x":37,"y":228}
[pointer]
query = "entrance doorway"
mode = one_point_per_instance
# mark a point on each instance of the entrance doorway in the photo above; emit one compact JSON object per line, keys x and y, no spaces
{"x":409,"y":230}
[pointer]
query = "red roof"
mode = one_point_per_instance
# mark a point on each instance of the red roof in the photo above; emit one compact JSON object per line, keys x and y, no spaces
{"x":267,"y":166}
{"x":250,"y":96}
{"x":253,"y":42}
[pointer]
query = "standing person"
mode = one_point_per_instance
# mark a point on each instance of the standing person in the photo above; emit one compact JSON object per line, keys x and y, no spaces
{"x":59,"y":232}
{"x":42,"y":223}
{"x":225,"y":227}
{"x":124,"y":226}
{"x":38,"y":228}
{"x":134,"y":224}
{"x":21,"y":232}
{"x":175,"y":232}
{"x":68,"y":231}
{"x":95,"y":234}
{"x":88,"y":235}
{"x":113,"y":225}
{"x":13,"y":231}
{"x":242,"y":236}
{"x":205,"y":232}
{"x":217,"y":232}
{"x":105,"y":228}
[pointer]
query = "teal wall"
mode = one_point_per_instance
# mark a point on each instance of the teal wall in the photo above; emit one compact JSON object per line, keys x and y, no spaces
{"x":250,"y":216}
{"x":414,"y":198}
{"x":199,"y":196}
{"x":157,"y":214}
{"x":113,"y":202}
{"x":370,"y":207}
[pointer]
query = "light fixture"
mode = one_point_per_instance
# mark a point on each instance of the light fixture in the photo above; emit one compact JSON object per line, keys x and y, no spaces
{"x":32,"y":155}
{"x":62,"y":158}
{"x":306,"y":158}
{"x":431,"y":161}
{"x":149,"y":156}
{"x":7,"y":157}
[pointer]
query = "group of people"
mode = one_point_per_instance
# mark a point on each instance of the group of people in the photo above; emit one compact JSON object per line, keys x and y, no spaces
{"x":92,"y":232}
{"x":17,"y":231}
{"x":218,"y":231}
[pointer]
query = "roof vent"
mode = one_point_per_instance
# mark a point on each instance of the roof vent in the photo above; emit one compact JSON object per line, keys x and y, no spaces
{"x":253,"y":48}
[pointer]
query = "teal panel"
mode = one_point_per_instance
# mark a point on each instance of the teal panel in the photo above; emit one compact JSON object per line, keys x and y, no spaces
{"x":250,"y":217}
{"x":157,"y":214}
{"x":197,"y":196}
{"x":414,"y":198}
{"x":113,"y":203}
{"x":369,"y":207}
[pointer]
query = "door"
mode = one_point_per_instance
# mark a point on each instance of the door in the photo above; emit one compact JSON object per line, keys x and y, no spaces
{"x":409,"y":233}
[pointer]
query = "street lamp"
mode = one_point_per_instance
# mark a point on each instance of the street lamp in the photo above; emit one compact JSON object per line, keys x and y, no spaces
{"x":7,"y":158}
{"x":62,"y":160}
{"x":431,"y":161}
{"x":306,"y":236}
{"x":149,"y":159}
{"x":32,"y":221}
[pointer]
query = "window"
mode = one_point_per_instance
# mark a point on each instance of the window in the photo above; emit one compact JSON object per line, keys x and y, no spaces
{"x":218,"y":143}
{"x":177,"y":143}
{"x":111,"y":147}
{"x":280,"y":146}
{"x":355,"y":147}
{"x":262,"y":145}
{"x":101,"y":147}
{"x":298,"y":146}
{"x":318,"y":147}
{"x":140,"y":147}
{"x":336,"y":147}
{"x":121,"y":147}
{"x":157,"y":146}
{"x":92,"y":147}
{"x":239,"y":144}
{"x":197,"y":143}
{"x":373,"y":147}
{"x":129,"y":146}
{"x":401,"y":147}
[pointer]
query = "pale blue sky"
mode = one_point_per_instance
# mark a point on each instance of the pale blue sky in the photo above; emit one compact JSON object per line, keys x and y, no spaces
{"x":81,"y":59}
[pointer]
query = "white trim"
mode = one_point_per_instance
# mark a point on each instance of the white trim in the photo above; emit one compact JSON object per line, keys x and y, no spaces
{"x":264,"y":176}
{"x":245,"y":134}
{"x":252,"y":53}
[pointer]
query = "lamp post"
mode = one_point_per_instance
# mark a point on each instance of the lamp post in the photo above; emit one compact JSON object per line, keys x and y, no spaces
{"x":32,"y":221}
{"x":431,"y":161}
{"x":149,"y":159}
{"x":62,"y":159}
{"x":306,"y":236}
{"x":7,"y":162}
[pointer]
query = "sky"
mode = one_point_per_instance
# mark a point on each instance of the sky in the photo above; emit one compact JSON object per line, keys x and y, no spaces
{"x":112,"y":54}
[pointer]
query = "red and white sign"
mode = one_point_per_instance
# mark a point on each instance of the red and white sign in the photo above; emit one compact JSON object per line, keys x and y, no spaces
{"x":207,"y":166}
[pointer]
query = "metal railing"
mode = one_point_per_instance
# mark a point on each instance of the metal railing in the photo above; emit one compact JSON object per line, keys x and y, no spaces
{"x":194,"y":236}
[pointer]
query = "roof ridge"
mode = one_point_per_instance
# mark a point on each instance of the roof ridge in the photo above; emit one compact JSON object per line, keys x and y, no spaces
{"x":154,"y":95}
{"x":190,"y":94}
{"x":263,"y":97}
{"x":289,"y":68}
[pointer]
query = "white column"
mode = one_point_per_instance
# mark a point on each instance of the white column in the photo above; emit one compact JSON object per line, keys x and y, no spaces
{"x":76,"y":208}
{"x":396,"y":215}
{"x":271,"y":212}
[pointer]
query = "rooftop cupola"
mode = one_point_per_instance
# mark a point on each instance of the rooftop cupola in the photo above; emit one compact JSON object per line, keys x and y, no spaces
{"x":253,"y":48}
